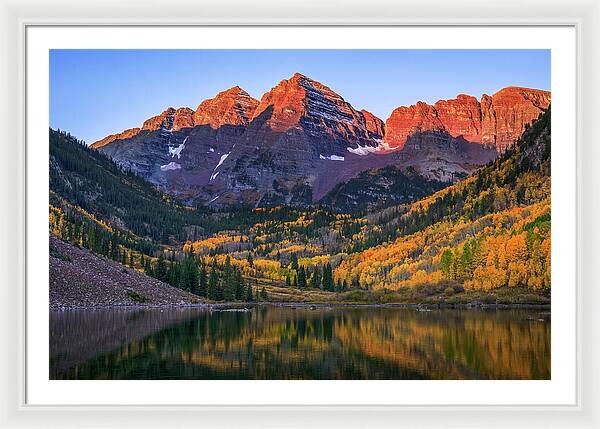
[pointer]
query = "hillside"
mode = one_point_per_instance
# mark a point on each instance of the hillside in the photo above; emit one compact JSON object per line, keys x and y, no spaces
{"x":488,"y":231}
{"x":106,"y":282}
{"x":378,"y":188}
{"x":86,"y":184}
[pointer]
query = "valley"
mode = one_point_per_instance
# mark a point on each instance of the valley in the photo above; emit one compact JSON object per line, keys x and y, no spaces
{"x":368,"y":213}
{"x":483,"y":239}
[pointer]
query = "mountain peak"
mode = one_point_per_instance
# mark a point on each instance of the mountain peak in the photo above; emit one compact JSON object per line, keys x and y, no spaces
{"x":298,"y":76}
{"x":301,"y":96}
{"x":322,"y":115}
{"x":234,"y":106}
{"x":233,"y":91}
{"x":165,"y":119}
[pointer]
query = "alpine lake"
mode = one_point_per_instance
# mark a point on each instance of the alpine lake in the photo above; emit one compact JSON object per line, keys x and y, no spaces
{"x":287,"y":342}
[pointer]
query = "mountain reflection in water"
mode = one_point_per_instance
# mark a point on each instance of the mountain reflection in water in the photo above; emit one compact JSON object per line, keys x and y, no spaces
{"x":271,"y":342}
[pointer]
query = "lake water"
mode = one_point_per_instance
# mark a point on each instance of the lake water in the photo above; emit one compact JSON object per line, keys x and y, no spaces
{"x":271,"y":342}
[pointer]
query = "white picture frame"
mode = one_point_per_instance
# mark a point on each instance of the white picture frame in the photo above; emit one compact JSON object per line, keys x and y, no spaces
{"x":583,"y":16}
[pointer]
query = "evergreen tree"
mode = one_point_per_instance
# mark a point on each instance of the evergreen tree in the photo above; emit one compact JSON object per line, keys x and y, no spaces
{"x":249,"y":294}
{"x":466,"y":260}
{"x":294,"y":262}
{"x":315,"y":280}
{"x":162,"y":272}
{"x":239,"y":285}
{"x":328,"y":284}
{"x":288,"y":281}
{"x":446,"y":263}
{"x":189,"y":274}
{"x":228,"y":281}
{"x":263,"y":294}
{"x":301,"y":278}
{"x":174,"y":275}
{"x":213,"y":285}
{"x":202,"y":280}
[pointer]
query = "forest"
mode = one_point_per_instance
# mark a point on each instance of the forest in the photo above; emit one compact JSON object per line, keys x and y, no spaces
{"x":490,"y":231}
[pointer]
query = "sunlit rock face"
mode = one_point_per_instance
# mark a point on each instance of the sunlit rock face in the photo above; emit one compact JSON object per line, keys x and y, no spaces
{"x":232,"y":107}
{"x":300,"y":102}
{"x":234,"y":149}
{"x":496,"y":120}
{"x":302,"y":139}
{"x":119,"y":136}
{"x":512,"y":109}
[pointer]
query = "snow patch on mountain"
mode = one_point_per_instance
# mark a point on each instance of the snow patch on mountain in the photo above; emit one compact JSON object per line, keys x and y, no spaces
{"x":223,"y":158}
{"x":332,"y":157}
{"x":170,"y":166}
{"x":177,"y":150}
{"x":365,"y":150}
{"x":215,"y":172}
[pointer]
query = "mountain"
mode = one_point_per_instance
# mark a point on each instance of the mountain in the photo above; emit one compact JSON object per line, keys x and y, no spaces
{"x":488,"y":231}
{"x":231,"y":107}
{"x":486,"y":237}
{"x":300,"y":131}
{"x":88,"y":188}
{"x":302,"y":139}
{"x":497,"y":120}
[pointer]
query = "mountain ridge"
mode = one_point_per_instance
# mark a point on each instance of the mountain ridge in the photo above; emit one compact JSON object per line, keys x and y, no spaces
{"x":302,"y":139}
{"x":497,"y":120}
{"x":250,"y":108}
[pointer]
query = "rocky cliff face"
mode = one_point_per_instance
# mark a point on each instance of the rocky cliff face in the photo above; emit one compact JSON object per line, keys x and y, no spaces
{"x":302,"y":139}
{"x":406,"y":121}
{"x":496,"y":120}
{"x":301,"y":102}
{"x":299,"y":131}
{"x":513,"y":108}
{"x":231,"y":107}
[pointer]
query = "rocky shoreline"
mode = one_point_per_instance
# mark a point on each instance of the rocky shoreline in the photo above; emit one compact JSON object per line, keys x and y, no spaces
{"x":106,"y":283}
{"x":293,"y":305}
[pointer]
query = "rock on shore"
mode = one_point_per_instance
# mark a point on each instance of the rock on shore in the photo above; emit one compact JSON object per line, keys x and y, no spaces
{"x":79,"y":278}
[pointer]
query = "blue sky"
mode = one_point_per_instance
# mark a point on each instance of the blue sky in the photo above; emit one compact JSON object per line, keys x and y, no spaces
{"x":94,"y":93}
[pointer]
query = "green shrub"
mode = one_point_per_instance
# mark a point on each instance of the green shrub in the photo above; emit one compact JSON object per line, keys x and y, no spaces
{"x":356,"y":296}
{"x":449,"y":291}
{"x":137,"y":297}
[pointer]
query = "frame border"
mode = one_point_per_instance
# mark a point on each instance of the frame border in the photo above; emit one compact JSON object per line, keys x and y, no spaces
{"x":15,"y":261}
{"x":507,"y":406}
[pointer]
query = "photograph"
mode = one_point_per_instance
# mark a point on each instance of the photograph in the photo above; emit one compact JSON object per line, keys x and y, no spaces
{"x":300,"y":214}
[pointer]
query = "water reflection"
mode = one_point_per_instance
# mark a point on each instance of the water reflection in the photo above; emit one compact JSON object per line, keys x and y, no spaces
{"x":285,"y":343}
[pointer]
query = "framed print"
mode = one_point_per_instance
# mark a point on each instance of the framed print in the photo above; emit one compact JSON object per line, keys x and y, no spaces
{"x":235,"y":220}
